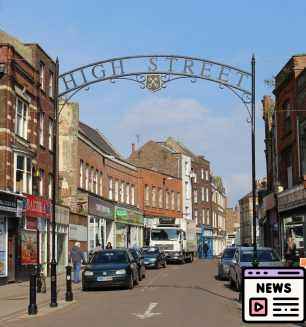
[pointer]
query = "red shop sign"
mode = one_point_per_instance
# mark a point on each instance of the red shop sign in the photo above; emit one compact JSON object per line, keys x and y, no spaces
{"x":38,"y":207}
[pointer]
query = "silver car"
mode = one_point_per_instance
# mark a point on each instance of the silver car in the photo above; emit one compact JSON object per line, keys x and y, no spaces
{"x":224,"y":263}
{"x":267,"y":257}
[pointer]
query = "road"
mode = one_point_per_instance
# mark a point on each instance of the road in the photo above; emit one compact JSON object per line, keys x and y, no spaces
{"x":180,"y":295}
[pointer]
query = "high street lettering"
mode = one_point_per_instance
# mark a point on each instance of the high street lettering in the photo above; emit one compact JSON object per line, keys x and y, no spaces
{"x":273,"y":288}
{"x":133,"y":67}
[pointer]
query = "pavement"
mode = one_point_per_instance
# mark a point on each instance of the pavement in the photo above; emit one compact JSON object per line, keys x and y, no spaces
{"x":180,"y":295}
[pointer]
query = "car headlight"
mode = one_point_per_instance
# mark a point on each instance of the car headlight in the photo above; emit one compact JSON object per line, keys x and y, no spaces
{"x":152,"y":259}
{"x":88,"y":273}
{"x":121,"y":272}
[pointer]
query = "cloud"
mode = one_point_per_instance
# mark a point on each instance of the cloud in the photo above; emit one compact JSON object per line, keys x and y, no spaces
{"x":223,"y":139}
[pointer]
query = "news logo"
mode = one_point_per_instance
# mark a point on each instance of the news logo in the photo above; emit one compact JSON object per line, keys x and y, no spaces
{"x":273,"y":295}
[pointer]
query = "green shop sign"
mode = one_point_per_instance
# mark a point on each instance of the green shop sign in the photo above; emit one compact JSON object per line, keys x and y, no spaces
{"x":127,"y":216}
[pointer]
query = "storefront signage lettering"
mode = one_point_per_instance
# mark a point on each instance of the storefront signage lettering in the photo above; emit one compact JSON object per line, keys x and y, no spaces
{"x":100,"y":208}
{"x":38,"y":207}
{"x":8,"y":202}
{"x":127,"y":216}
{"x":166,"y":221}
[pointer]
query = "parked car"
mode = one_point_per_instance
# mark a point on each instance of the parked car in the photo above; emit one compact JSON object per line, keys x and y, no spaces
{"x":224,"y":263}
{"x":110,"y":268}
{"x":243,"y":256}
{"x":138,"y":256}
{"x":154,"y":257}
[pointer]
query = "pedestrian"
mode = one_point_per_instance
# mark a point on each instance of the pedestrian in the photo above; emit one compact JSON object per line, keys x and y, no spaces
{"x":205,"y":249}
{"x":290,"y":251}
{"x":109,"y":246}
{"x":76,"y":257}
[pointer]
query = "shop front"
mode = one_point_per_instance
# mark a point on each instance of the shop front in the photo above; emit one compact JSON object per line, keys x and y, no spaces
{"x":100,"y":223}
{"x":11,"y":212}
{"x":292,"y":211}
{"x":34,"y":236}
{"x":129,"y":228}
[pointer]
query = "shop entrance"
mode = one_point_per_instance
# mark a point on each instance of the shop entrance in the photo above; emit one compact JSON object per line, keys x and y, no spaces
{"x":11,"y":258}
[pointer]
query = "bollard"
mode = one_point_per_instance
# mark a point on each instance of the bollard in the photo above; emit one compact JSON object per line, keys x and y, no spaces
{"x":39,"y":281}
{"x":32,"y":308}
{"x":69,"y":294}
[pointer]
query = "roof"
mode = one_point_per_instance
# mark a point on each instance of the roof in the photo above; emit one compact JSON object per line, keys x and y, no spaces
{"x":97,"y":138}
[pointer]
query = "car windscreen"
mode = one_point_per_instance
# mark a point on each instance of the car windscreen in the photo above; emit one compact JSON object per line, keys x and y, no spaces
{"x":109,"y":257}
{"x":263,"y":255}
{"x":228,"y":253}
{"x":149,"y":251}
{"x":167,"y":234}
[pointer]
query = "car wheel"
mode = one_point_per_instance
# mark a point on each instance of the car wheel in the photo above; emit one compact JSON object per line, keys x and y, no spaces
{"x":237,"y":285}
{"x":136,"y":281}
{"x":131,"y":282}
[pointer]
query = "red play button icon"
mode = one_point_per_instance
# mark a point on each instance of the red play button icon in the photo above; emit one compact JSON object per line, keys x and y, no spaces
{"x":258,"y":306}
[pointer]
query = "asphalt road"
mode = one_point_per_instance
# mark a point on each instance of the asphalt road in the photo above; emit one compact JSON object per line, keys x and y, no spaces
{"x":180,"y":295}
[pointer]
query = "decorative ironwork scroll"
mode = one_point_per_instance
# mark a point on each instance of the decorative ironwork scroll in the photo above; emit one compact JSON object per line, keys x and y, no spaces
{"x":153,"y":72}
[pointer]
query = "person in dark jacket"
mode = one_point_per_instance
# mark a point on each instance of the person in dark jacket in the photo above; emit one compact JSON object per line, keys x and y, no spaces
{"x":76,"y":257}
{"x":109,"y":246}
{"x":205,"y":249}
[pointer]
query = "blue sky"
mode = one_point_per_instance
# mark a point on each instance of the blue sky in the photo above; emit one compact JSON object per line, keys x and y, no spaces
{"x":208,"y":120}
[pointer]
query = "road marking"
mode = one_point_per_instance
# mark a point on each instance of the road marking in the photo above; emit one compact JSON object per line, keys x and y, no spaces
{"x":148,"y":313}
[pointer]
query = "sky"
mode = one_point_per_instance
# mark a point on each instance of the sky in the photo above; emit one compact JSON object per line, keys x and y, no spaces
{"x":209,"y":120}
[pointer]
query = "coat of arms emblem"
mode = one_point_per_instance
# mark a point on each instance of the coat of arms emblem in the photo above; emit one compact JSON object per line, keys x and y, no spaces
{"x":154,"y":82}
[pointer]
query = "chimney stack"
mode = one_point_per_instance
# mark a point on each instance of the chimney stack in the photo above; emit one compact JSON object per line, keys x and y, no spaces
{"x":133,"y":148}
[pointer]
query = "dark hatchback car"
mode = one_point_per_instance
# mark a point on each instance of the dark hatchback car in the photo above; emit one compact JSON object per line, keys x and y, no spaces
{"x":110,"y":268}
{"x":138,"y":256}
{"x":154,"y":257}
{"x":225,"y":261}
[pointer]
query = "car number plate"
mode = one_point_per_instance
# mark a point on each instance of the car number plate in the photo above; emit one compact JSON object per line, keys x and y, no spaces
{"x":104,"y":279}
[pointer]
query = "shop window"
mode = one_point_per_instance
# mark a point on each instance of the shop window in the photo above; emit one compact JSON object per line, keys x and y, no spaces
{"x":21,"y":126}
{"x":41,"y":118}
{"x":293,"y":234}
{"x":23,"y":174}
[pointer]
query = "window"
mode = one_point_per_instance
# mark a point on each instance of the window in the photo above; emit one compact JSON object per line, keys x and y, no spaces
{"x":207,"y":196}
{"x":196,"y":216}
{"x":133,"y":195}
{"x":95,"y":182}
{"x":101,"y":184}
{"x":21,"y":126}
{"x":86,"y":177}
{"x":287,"y":118}
{"x":122,"y":192}
{"x":37,"y":181}
{"x":128,"y":193}
{"x":91,"y":180}
{"x":195,"y":196}
{"x":50,"y":86}
{"x":206,"y":175}
{"x":203,"y":216}
{"x":147,"y":195}
{"x":41,"y":182}
{"x":203,"y":194}
{"x":207,"y":217}
{"x":202,"y":173}
{"x":178,"y":205}
{"x":41,"y":118}
{"x":116,"y":190}
{"x":110,"y":188}
{"x":23,"y":174}
{"x":81,"y":173}
{"x":42,"y":75}
{"x":153,"y":197}
{"x":50,"y":186}
{"x":160,"y":198}
{"x":187,"y":191}
{"x":167,"y":199}
{"x":195,"y":178}
{"x":172,"y":200}
{"x":50,"y":134}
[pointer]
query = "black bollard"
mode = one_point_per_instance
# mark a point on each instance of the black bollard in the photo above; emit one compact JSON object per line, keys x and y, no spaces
{"x":32,"y":308}
{"x":69,"y":294}
{"x":39,"y":281}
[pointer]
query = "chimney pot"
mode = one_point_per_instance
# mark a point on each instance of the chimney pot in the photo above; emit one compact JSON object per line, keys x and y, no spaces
{"x":133,"y":147}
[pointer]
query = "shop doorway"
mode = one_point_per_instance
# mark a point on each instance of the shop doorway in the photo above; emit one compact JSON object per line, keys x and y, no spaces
{"x":11,"y":258}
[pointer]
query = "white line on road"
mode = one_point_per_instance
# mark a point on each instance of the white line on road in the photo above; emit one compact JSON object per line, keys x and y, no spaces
{"x":148,"y":313}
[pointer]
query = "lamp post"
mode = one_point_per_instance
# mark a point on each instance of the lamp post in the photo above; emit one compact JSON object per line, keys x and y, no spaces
{"x":53,"y":302}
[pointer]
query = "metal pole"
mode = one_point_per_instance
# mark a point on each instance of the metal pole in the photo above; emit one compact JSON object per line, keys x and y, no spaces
{"x":253,"y":119}
{"x":38,"y":271}
{"x":69,"y":293}
{"x":53,"y":302}
{"x":32,"y":307}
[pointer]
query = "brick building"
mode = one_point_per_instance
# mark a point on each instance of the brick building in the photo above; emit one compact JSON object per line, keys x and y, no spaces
{"x":160,"y":196}
{"x":232,"y":225}
{"x":285,"y":205}
{"x":26,"y":148}
{"x":98,"y":185}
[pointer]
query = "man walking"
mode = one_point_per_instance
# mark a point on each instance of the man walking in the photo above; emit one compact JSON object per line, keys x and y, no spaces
{"x":76,"y":257}
{"x":205,"y":249}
